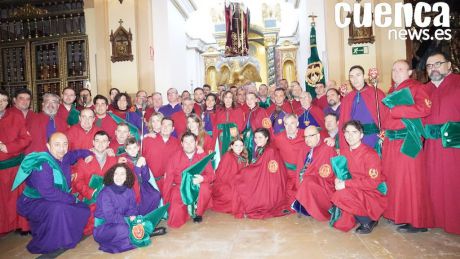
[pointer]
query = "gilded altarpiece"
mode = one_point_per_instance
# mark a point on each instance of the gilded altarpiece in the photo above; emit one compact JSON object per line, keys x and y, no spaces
{"x":43,"y":46}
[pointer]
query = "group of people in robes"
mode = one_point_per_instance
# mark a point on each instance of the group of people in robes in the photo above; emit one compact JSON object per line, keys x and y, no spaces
{"x":103,"y":166}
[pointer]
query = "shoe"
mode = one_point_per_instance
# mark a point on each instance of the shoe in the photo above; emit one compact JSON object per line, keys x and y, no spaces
{"x":408,"y":228}
{"x":197,"y":219}
{"x":158,"y":231}
{"x":366,"y":228}
{"x":53,"y":254}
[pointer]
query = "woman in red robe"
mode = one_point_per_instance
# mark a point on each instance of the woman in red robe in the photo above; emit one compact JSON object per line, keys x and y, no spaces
{"x":195,"y":125}
{"x":230,"y":164}
{"x":260,"y":188}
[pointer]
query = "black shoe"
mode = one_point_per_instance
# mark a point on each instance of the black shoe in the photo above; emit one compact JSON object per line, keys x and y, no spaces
{"x":158,"y":231}
{"x":52,"y":254}
{"x":197,"y":219}
{"x":408,"y":228}
{"x":366,"y":228}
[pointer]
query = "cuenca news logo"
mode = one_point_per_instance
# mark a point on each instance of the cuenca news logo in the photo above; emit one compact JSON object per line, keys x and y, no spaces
{"x":386,"y":15}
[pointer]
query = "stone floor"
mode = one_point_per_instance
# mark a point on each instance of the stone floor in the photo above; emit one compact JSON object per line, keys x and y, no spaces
{"x":222,"y":236}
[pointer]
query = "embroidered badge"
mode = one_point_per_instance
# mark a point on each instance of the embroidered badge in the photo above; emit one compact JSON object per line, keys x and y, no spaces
{"x":325,"y":170}
{"x":138,"y":231}
{"x":266,"y":123}
{"x":373,"y":173}
{"x":428,"y":103}
{"x":306,"y":123}
{"x":280,"y":121}
{"x":273,"y":166}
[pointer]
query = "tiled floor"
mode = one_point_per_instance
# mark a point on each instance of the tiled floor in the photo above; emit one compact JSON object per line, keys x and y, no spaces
{"x":222,"y":236}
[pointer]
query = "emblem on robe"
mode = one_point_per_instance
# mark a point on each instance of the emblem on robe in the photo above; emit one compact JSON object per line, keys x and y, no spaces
{"x":266,"y":123}
{"x":280,"y":121}
{"x":428,"y":103}
{"x":272,"y":166}
{"x":138,"y":231}
{"x":373,"y":173}
{"x":325,"y":170}
{"x":306,"y":123}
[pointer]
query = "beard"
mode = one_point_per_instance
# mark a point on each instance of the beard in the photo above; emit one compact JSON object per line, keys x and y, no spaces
{"x":332,"y":103}
{"x":436,"y":76}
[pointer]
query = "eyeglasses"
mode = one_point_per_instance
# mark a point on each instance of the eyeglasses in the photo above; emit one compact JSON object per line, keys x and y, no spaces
{"x":435,"y":65}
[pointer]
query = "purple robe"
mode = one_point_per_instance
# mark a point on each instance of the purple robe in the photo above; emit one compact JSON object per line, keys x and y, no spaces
{"x":167,"y":110}
{"x":307,"y":116}
{"x":136,"y":120}
{"x":360,"y":112}
{"x":56,"y":220}
{"x":277,"y":121}
{"x":113,"y":204}
{"x":329,"y":110}
{"x":150,"y":197}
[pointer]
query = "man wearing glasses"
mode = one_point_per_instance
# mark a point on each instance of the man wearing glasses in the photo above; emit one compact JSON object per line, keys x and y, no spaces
{"x":442,"y":160}
{"x":316,"y":178}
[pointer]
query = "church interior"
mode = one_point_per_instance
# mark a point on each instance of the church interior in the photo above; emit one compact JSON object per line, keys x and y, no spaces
{"x":154,"y":45}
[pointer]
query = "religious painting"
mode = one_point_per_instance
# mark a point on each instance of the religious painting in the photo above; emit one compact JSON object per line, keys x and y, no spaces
{"x":121,"y":44}
{"x":359,"y":35}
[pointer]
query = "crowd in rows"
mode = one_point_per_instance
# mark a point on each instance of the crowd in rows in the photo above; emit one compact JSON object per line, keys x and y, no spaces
{"x":96,"y":165}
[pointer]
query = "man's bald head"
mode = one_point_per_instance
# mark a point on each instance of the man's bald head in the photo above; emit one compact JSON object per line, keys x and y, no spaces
{"x":58,"y":145}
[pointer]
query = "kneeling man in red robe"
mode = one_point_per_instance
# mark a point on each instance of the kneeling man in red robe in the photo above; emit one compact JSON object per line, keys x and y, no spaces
{"x":361,"y":195}
{"x":188,"y":156}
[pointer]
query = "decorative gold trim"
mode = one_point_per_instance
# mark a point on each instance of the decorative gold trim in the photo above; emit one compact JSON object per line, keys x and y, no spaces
{"x":28,"y":10}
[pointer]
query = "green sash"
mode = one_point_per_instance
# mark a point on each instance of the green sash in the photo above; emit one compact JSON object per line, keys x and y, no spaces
{"x":189,"y":191}
{"x":265,"y":104}
{"x":448,"y":132}
{"x":96,"y":183}
{"x":370,"y":128}
{"x":12,"y":162}
{"x":121,"y":150}
{"x":141,"y":227}
{"x":34,"y":161}
{"x":412,"y":144}
{"x":248,"y":140}
{"x":73,"y":116}
{"x":290,"y":166}
{"x":132,"y":129}
{"x":226,"y":137}
{"x":341,"y":171}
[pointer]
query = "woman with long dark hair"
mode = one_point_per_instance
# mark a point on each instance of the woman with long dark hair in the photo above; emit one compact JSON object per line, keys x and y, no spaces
{"x":260,"y":188}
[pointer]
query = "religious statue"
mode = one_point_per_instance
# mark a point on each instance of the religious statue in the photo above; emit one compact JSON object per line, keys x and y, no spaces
{"x":237,"y":27}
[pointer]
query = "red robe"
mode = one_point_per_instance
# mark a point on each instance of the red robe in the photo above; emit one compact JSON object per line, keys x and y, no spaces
{"x":114,"y":145}
{"x":62,"y":112}
{"x":224,"y":184}
{"x":108,"y":125}
{"x":260,"y":188}
{"x":37,"y":129}
{"x":406,"y":179}
{"x":289,"y":149}
{"x":148,"y":113}
{"x":29,"y":115}
{"x":80,"y":183}
{"x":360,"y":196}
{"x":368,"y":95}
{"x":258,"y":119}
{"x":441,"y":163}
{"x":234,"y":115}
{"x":316,"y":189}
{"x":178,"y":214}
{"x":321,"y":102}
{"x":197,"y":108}
{"x":180,"y":123}
{"x":79,"y":138}
{"x":16,"y":138}
{"x":297,"y":107}
{"x":158,"y":154}
{"x":244,"y":107}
